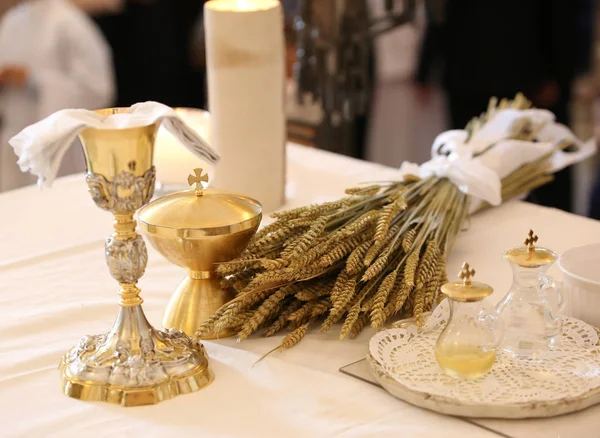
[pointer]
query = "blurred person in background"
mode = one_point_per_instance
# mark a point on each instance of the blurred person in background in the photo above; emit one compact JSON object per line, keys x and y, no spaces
{"x":400,"y":128}
{"x":502,"y":47}
{"x":154,"y":51}
{"x":52,"y":57}
{"x":594,"y":201}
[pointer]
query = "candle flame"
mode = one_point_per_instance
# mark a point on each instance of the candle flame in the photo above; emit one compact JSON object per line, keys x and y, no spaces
{"x":242,"y":5}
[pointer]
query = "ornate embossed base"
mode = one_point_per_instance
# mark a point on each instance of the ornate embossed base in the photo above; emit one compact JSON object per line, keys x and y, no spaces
{"x":134,"y":364}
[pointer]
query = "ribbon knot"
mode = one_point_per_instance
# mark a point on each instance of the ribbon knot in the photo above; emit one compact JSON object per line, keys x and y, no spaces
{"x":476,"y":164}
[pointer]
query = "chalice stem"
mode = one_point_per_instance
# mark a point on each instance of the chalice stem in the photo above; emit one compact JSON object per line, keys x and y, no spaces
{"x":126,"y":257}
{"x":124,"y":226}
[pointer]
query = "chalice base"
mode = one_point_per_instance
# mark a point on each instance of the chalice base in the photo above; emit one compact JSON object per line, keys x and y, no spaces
{"x":194,"y":301}
{"x":134,"y":364}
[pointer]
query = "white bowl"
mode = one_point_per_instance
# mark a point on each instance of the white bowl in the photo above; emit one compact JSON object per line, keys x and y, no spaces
{"x":581,"y":271}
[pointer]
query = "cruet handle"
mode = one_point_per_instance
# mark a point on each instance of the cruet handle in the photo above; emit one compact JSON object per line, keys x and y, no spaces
{"x":551,"y":290}
{"x":493,"y":322}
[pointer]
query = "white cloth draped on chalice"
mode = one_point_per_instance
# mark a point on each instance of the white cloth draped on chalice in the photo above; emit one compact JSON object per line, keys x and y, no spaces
{"x":41,"y":146}
{"x":477,"y":165}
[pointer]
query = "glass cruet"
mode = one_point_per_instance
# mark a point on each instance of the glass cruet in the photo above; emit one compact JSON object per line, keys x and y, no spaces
{"x":531,"y":308}
{"x":466,"y":348}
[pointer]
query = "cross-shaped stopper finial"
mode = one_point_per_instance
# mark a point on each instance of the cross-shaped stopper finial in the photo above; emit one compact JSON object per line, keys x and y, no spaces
{"x":531,"y":240}
{"x":200,"y":180}
{"x":466,"y":273}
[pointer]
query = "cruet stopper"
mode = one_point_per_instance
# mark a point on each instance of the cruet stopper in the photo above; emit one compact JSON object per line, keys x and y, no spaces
{"x":466,"y":291}
{"x":466,"y":346}
{"x":529,"y":255}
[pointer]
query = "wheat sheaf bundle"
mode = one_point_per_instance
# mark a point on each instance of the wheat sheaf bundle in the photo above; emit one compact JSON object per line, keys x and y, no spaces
{"x":378,"y":252}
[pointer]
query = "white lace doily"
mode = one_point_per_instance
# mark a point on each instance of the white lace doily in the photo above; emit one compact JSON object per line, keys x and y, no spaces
{"x":570,"y":370}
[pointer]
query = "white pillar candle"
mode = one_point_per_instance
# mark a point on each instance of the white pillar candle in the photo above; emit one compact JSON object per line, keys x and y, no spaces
{"x":246,"y":72}
{"x":173,"y":161}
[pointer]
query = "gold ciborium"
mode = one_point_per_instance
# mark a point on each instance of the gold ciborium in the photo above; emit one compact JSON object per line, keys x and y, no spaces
{"x":195,"y":229}
{"x":134,"y":364}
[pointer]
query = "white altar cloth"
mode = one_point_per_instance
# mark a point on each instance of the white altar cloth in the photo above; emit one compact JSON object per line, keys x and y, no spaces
{"x":55,"y":288}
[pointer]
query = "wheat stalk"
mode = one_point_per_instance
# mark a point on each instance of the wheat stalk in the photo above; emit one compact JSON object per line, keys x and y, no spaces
{"x":375,"y":253}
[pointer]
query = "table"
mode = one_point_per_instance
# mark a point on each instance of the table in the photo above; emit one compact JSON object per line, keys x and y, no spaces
{"x":55,"y":288}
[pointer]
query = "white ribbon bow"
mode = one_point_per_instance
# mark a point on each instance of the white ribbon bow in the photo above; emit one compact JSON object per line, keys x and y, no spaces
{"x":478,"y":165}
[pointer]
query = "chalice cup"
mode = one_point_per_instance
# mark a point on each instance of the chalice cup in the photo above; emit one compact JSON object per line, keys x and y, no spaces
{"x":134,"y":364}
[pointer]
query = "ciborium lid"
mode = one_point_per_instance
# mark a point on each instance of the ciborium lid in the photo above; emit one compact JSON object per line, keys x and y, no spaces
{"x":208,"y":211}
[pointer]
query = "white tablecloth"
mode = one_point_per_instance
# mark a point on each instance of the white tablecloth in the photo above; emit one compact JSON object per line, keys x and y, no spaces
{"x":55,"y":288}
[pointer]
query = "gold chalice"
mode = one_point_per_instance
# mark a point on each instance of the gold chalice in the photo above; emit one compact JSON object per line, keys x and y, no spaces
{"x":195,"y":229}
{"x":134,"y":364}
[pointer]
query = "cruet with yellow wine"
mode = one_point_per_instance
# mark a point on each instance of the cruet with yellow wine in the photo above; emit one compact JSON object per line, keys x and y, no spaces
{"x":466,"y":348}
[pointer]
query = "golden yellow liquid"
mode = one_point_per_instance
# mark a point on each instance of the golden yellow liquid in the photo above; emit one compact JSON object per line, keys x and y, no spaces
{"x":464,"y":361}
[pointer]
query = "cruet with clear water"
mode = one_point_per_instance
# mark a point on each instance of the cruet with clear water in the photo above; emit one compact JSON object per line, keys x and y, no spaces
{"x":531,"y":308}
{"x":466,"y":348}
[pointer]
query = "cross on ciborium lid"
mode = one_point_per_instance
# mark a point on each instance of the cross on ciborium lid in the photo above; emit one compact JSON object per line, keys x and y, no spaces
{"x":200,"y":212}
{"x":466,"y":290}
{"x":530,"y":256}
{"x":199,"y":179}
